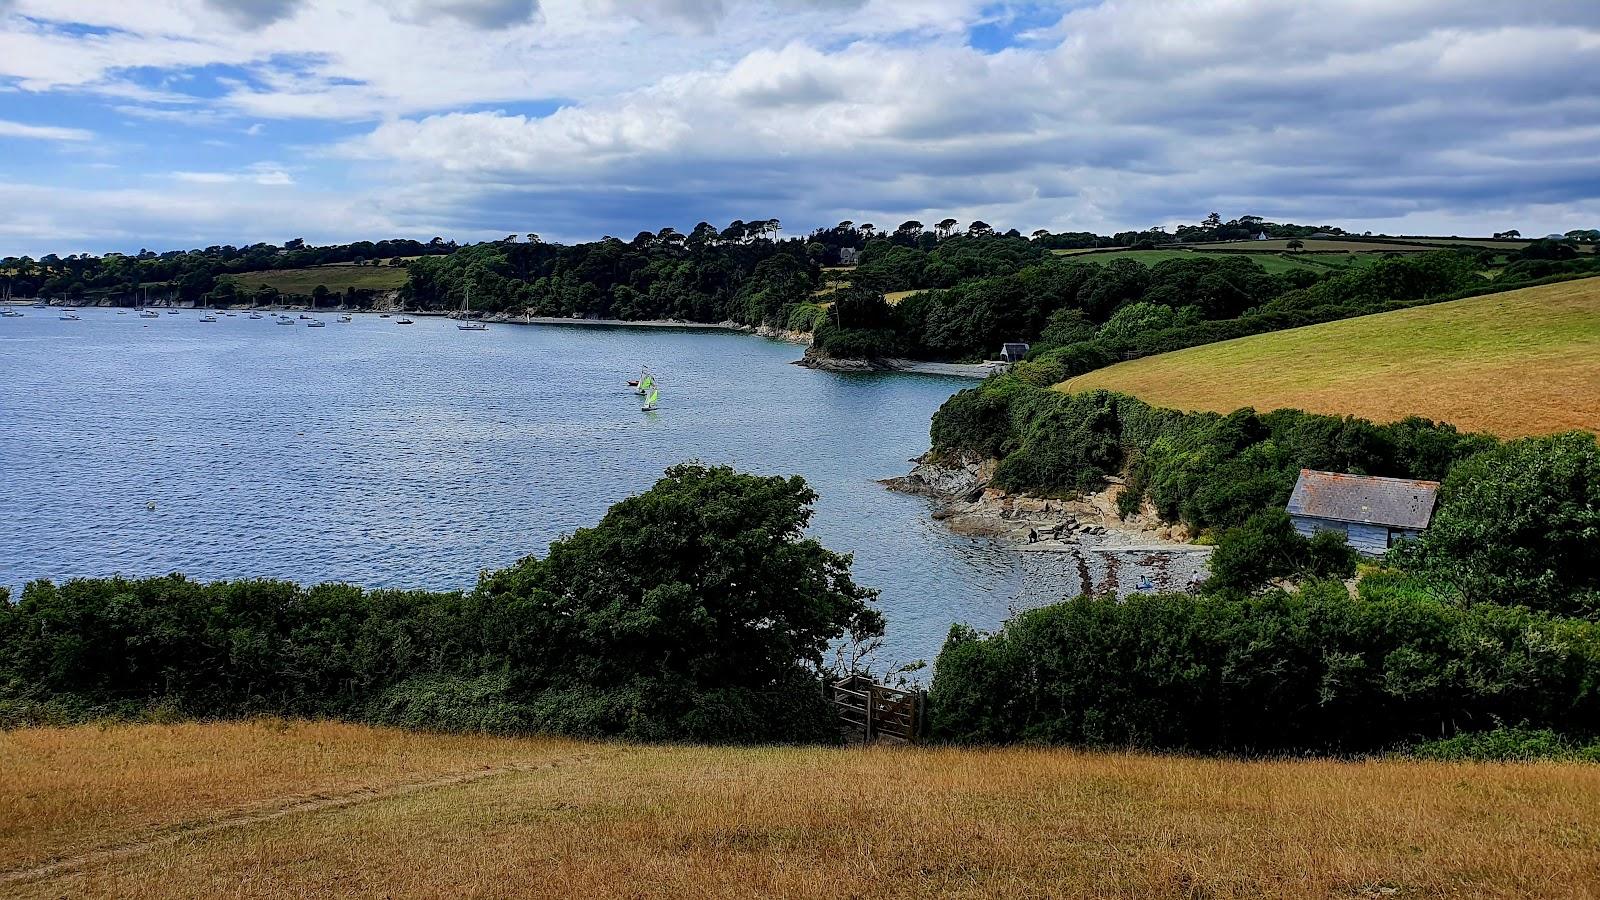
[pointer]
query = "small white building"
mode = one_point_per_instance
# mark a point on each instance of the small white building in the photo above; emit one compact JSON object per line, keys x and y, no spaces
{"x":1372,"y":513}
{"x":849,"y":256}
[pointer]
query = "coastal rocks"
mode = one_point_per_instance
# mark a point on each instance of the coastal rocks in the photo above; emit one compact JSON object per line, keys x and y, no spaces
{"x":945,"y":480}
{"x":783,"y":334}
{"x":816,"y":359}
{"x":1108,"y":549}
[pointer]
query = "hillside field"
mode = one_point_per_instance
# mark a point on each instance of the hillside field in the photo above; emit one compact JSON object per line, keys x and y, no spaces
{"x":286,"y":808}
{"x":1272,"y":261}
{"x":1513,"y":364}
{"x":335,"y":277}
{"x":1349,"y":245}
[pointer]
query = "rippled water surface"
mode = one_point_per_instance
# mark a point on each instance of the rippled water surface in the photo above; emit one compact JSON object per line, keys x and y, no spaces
{"x":389,"y":455}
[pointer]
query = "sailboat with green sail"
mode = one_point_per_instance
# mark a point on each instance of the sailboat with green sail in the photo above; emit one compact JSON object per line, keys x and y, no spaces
{"x":650,"y":400}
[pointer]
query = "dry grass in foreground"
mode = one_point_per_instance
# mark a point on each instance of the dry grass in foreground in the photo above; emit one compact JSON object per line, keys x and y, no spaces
{"x":1518,"y":363}
{"x":614,"y":821}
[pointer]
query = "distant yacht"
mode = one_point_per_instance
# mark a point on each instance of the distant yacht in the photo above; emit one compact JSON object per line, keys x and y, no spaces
{"x":466,"y":314}
{"x":316,"y":323}
{"x":403,"y":321}
{"x":285,"y":320}
{"x":172,"y":312}
{"x":71,"y":316}
{"x":344,"y":318}
{"x":255,"y":315}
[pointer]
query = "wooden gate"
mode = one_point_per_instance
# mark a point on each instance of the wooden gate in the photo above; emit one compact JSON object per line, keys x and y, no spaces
{"x":878,"y":711}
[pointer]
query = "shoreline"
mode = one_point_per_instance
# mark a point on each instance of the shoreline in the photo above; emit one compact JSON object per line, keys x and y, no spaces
{"x":904,"y":366}
{"x":676,"y":324}
{"x":891,"y":364}
{"x":1110,"y":552}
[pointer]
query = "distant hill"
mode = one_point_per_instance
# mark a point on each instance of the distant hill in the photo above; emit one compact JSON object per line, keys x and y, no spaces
{"x":1516,"y":363}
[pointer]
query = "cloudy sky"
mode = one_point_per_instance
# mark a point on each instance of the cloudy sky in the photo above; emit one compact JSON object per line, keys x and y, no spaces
{"x":177,"y":123}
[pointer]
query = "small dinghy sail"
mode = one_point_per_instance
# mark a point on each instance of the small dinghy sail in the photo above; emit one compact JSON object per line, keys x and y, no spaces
{"x":650,"y":401}
{"x":645,"y":383}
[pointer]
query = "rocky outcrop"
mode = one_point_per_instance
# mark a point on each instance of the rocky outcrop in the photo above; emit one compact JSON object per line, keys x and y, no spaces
{"x":816,"y":359}
{"x":968,"y":503}
{"x":962,"y":478}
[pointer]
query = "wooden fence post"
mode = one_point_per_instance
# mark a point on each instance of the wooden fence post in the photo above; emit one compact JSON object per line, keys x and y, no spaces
{"x":872,"y":693}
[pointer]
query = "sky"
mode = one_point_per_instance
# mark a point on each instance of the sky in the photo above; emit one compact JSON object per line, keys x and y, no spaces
{"x":168,"y":124}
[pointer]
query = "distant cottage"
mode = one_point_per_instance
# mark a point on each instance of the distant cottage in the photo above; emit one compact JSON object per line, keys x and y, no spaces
{"x":1013,"y":352}
{"x":1261,"y":235}
{"x":848,"y":256}
{"x":1372,"y":513}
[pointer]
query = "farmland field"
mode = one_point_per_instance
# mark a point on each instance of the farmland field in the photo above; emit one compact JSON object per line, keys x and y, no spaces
{"x":1516,"y":363}
{"x":336,"y":278}
{"x":1273,"y":262}
{"x":1351,"y":245}
{"x":311,"y":808}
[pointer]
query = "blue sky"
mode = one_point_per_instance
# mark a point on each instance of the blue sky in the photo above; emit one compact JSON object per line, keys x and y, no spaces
{"x":177,"y":123}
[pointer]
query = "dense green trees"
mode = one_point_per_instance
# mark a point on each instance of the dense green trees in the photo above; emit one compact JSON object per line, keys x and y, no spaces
{"x":1313,"y":669}
{"x":703,"y":278}
{"x":696,"y":610}
{"x":1520,"y":523}
{"x":1266,"y":548}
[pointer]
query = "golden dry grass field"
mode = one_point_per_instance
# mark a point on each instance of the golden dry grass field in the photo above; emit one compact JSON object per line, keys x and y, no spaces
{"x":1514,"y":364}
{"x":311,"y":809}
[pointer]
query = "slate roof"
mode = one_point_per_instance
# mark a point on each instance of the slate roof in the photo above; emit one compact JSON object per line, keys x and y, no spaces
{"x":1394,"y":502}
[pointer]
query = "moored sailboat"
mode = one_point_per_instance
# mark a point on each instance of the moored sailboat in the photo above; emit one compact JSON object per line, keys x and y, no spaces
{"x":466,"y":323}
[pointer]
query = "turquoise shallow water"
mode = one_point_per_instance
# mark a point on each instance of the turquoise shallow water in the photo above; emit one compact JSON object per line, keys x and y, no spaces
{"x":387,"y":455}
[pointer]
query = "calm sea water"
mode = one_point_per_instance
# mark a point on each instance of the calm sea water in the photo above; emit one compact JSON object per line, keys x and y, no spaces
{"x":387,"y":455}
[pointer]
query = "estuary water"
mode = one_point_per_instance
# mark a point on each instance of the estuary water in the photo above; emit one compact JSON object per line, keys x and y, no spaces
{"x":415,"y":456}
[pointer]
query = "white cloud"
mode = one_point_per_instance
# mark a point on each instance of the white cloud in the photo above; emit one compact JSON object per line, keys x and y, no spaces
{"x":1123,"y":114}
{"x":264,"y":174}
{"x":43,"y":132}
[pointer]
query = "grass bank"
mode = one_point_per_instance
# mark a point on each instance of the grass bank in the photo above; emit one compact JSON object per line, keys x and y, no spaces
{"x":335,"y":278}
{"x":312,"y":808}
{"x":1513,"y":364}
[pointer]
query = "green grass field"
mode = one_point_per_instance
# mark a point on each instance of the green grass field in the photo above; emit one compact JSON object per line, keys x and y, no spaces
{"x":1353,"y":245}
{"x":301,"y":282}
{"x":1516,"y":363}
{"x":1274,"y":262}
